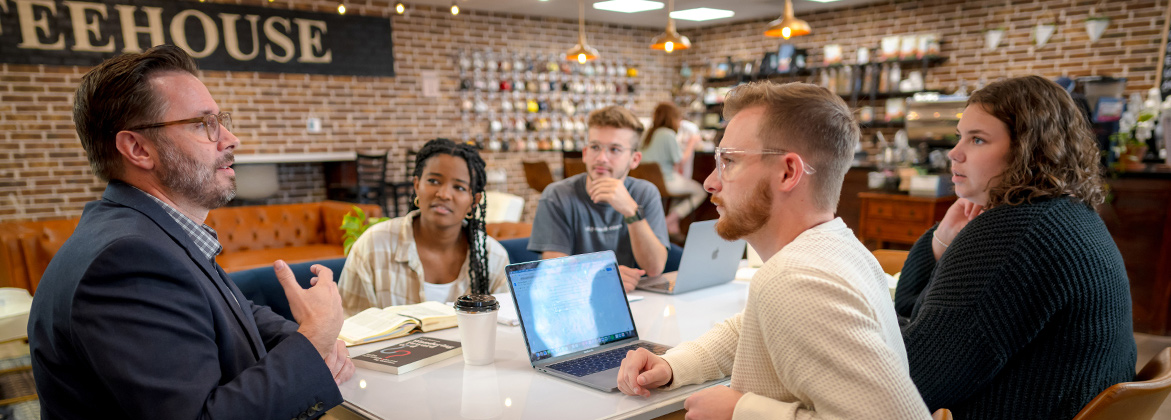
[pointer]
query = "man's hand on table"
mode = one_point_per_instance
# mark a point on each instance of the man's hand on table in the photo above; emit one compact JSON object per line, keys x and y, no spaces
{"x":641,"y":371}
{"x":715,"y":403}
{"x":630,"y":276}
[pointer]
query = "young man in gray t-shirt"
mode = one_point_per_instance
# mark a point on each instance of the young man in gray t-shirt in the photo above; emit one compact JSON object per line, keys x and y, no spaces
{"x":603,"y":209}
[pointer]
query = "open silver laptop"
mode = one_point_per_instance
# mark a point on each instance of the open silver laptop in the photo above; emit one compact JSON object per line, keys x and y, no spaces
{"x":707,"y":260}
{"x":575,"y":319}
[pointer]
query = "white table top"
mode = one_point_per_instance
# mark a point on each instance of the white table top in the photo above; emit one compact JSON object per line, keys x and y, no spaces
{"x":511,"y":389}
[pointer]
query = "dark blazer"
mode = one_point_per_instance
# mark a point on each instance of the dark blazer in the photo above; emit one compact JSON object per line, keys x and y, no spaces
{"x":131,"y":321}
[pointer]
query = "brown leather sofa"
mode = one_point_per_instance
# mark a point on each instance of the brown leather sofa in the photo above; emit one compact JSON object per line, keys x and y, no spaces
{"x":252,"y":236}
{"x":508,"y":230}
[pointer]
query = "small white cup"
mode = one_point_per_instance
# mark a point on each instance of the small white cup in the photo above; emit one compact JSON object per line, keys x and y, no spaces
{"x":476,"y":315}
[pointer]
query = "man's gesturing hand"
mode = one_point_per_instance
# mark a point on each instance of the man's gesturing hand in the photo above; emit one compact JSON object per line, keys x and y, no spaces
{"x":318,"y":309}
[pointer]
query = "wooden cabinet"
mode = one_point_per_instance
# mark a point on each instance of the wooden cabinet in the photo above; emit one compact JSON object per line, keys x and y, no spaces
{"x":1138,"y":216}
{"x":899,"y":218}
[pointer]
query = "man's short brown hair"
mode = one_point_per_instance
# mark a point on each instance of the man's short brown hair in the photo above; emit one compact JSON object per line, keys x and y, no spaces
{"x":808,"y":120}
{"x":116,"y":95}
{"x":615,"y":116}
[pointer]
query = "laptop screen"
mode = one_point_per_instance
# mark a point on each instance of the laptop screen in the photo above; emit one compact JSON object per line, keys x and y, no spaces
{"x":570,"y":304}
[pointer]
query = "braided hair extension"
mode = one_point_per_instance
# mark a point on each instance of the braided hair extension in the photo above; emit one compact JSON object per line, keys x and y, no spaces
{"x":474,"y":229}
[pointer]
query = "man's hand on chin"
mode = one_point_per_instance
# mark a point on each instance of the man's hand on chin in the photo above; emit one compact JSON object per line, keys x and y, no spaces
{"x":613,"y":192}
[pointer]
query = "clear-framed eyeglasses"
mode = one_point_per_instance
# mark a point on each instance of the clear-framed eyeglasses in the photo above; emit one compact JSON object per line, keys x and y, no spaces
{"x":728,"y":159}
{"x":211,"y":123}
{"x":612,"y":150}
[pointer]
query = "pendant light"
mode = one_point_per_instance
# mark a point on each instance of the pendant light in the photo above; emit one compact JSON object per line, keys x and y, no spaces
{"x":670,"y":40}
{"x":787,"y":26}
{"x":581,"y":52}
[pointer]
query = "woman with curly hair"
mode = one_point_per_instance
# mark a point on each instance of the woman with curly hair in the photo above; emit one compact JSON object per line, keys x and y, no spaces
{"x":437,"y":252}
{"x":1018,"y":301}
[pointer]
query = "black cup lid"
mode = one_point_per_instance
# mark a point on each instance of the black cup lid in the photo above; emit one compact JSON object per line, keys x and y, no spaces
{"x":476,"y":303}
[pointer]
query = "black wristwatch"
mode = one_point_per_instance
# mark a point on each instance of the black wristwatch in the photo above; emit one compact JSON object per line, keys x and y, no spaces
{"x":636,"y":217}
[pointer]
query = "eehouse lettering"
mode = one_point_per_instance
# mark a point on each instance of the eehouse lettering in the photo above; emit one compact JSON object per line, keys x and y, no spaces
{"x":92,"y":27}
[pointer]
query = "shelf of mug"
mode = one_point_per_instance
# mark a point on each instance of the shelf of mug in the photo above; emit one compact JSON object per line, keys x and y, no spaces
{"x":883,"y":124}
{"x":888,"y":95}
{"x":807,"y":71}
{"x":861,"y":97}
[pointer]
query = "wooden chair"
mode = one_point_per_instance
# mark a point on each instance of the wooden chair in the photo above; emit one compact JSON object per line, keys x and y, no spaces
{"x":649,"y":171}
{"x":538,"y":175}
{"x":574,"y":167}
{"x":1138,"y":400}
{"x":891,"y":260}
{"x":369,"y":181}
{"x":942,"y":414}
{"x":401,"y":190}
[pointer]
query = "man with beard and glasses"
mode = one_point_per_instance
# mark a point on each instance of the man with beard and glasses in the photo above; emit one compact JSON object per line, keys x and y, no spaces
{"x":818,"y":337}
{"x":603,"y":208}
{"x":133,"y":317}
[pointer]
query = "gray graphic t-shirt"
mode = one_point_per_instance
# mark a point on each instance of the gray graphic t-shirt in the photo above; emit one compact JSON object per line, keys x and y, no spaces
{"x":568,"y":221}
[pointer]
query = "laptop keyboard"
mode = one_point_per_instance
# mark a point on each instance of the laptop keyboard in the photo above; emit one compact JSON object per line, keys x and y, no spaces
{"x":597,"y":362}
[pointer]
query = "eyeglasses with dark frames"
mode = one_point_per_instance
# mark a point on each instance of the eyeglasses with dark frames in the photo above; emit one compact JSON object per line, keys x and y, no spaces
{"x":211,"y":123}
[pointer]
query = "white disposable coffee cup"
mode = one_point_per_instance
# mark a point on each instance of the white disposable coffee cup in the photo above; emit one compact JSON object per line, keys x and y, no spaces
{"x":476,"y":315}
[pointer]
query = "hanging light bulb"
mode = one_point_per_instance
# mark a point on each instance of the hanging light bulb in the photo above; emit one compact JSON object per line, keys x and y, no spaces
{"x":670,"y":40}
{"x":400,"y":8}
{"x":341,"y":8}
{"x":787,"y":26}
{"x":454,"y":9}
{"x":581,"y":52}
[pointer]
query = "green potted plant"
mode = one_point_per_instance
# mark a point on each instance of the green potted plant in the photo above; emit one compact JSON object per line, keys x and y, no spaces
{"x":1130,"y":151}
{"x":354,"y":224}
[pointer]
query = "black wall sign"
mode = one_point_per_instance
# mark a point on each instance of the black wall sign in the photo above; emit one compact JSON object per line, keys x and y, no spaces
{"x":1164,"y":75}
{"x":219,"y":36}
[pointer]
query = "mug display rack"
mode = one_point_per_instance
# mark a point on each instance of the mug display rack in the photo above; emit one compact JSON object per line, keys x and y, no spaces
{"x":515,"y":101}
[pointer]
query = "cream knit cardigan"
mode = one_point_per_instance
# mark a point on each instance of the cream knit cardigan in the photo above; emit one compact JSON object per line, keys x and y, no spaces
{"x":818,"y":338}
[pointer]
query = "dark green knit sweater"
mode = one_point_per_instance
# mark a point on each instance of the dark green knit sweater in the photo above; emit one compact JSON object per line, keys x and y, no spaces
{"x":1025,"y":316}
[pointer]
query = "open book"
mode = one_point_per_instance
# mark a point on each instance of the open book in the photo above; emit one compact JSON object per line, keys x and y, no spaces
{"x":377,"y":324}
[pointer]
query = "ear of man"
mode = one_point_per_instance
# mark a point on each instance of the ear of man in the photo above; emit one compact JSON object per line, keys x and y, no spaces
{"x":635,"y":158}
{"x":790,"y":174}
{"x":137,"y":151}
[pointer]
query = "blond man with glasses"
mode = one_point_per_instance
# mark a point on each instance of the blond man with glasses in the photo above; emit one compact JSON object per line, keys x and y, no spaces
{"x":603,"y":208}
{"x":818,"y":337}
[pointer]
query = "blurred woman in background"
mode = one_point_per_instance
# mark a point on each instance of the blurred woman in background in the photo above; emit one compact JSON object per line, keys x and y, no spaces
{"x":660,"y":146}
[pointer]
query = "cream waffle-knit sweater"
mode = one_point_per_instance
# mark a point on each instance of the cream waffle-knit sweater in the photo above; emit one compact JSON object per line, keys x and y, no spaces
{"x":818,"y":338}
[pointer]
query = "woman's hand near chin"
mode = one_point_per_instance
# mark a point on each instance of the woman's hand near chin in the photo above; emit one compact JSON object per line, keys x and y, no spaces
{"x":958,"y":215}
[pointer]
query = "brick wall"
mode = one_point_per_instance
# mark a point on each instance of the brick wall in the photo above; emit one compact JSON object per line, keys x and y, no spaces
{"x":44,"y":174}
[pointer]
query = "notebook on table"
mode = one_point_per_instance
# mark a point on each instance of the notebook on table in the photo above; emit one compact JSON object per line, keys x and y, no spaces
{"x":707,"y":260}
{"x":575,"y":318}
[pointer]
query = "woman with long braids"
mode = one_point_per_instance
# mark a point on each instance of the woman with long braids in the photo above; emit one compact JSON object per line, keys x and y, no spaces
{"x":437,"y":252}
